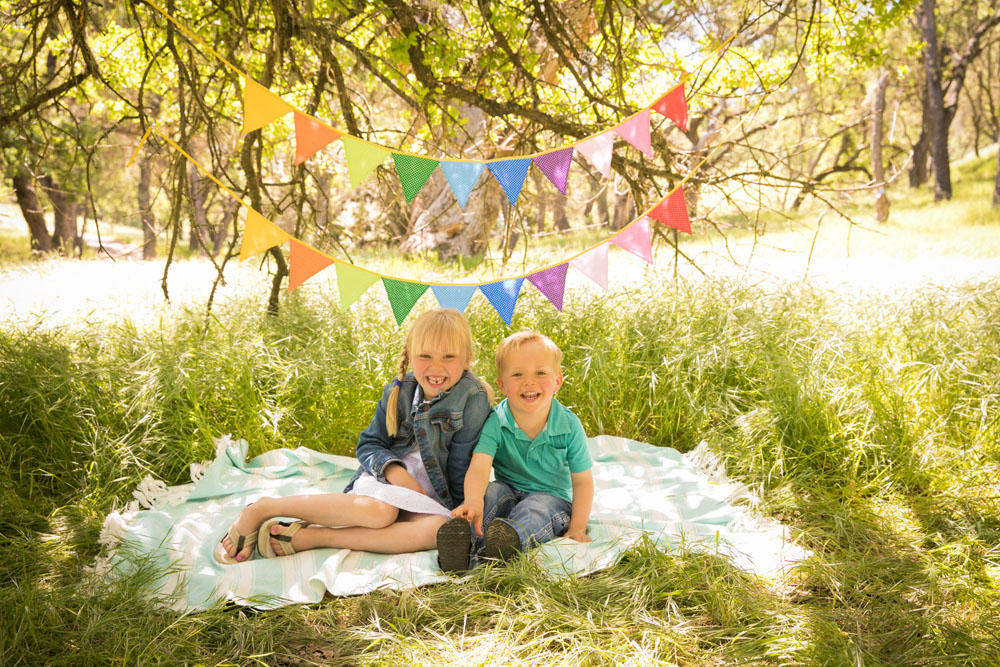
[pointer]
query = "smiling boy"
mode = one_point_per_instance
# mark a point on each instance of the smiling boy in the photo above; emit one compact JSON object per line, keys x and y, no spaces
{"x":537,"y":448}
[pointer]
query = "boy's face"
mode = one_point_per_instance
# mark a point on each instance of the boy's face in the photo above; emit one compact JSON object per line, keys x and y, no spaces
{"x":438,"y":369}
{"x":529,"y":379}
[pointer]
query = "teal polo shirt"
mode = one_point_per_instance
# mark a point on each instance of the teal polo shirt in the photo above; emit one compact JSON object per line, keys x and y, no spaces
{"x":543,"y":464}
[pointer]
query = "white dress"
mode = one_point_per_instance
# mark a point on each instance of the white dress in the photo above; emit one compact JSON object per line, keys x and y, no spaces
{"x":401,"y":497}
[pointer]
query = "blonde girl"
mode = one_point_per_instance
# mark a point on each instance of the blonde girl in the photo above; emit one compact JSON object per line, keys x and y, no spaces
{"x":413,"y":456}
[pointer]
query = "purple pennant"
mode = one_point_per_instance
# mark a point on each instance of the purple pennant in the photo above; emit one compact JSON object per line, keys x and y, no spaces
{"x":551,"y":283}
{"x":555,"y":166}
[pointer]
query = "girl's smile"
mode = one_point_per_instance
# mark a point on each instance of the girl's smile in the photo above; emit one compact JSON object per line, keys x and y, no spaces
{"x":437,"y":369}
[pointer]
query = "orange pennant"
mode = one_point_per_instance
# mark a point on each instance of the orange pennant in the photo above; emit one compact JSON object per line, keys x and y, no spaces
{"x":311,"y":136}
{"x":261,"y":106}
{"x":304,"y":262}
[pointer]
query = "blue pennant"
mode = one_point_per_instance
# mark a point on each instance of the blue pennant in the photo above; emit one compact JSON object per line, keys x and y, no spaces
{"x":454,"y":296}
{"x":511,"y":174}
{"x":503,"y":295}
{"x":462,"y":177}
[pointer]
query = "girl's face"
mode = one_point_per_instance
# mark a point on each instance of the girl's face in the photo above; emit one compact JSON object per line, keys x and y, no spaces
{"x":438,"y":367}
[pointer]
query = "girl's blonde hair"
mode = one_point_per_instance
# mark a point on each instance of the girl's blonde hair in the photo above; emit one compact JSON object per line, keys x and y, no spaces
{"x":439,"y":326}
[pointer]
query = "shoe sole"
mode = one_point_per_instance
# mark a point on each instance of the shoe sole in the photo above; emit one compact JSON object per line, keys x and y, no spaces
{"x":454,"y":543}
{"x":502,"y":541}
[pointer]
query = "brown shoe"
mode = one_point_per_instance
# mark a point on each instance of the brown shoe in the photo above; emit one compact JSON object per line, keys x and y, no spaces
{"x":502,"y":541}
{"x":454,"y":542}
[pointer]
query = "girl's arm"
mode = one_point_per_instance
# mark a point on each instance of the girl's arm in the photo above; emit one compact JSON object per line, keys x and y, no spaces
{"x":463,"y":442}
{"x":373,"y":451}
{"x":583,"y":501}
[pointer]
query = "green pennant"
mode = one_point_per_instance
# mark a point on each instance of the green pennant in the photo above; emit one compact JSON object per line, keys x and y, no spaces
{"x":413,"y":172}
{"x":362,"y":158}
{"x":352,"y":283}
{"x":402,"y":296}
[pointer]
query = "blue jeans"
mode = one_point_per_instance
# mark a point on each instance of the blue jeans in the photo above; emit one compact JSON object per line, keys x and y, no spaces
{"x":536,"y":517}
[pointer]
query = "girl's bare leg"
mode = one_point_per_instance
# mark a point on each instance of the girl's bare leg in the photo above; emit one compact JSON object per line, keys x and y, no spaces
{"x":328,"y":509}
{"x":412,"y":532}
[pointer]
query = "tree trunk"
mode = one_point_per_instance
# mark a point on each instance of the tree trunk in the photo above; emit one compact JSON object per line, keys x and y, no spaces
{"x":996,"y":179}
{"x":878,"y":173}
{"x":623,"y":211}
{"x":145,"y":212}
{"x":559,"y":219}
{"x":918,"y":165}
{"x":199,"y":220}
{"x":543,"y":201}
{"x":31,"y":209}
{"x":935,"y":102}
{"x":222,"y":232}
{"x":65,"y":236}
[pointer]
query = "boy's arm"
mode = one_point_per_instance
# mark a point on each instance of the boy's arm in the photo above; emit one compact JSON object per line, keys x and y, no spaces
{"x":476,"y":480}
{"x":583,"y":501}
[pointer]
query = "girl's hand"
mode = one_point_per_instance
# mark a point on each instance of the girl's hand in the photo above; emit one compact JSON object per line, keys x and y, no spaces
{"x":580,"y":535}
{"x":397,"y":475}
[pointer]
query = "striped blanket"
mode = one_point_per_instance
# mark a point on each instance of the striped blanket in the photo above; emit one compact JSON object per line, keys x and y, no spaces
{"x":639,"y":488}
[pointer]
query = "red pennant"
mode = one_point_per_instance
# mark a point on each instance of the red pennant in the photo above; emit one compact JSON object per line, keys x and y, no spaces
{"x":674,"y":106}
{"x":673,"y":212}
{"x":311,"y":136}
{"x":303,"y":263}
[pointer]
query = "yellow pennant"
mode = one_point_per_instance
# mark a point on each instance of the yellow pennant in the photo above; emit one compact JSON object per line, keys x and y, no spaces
{"x":260,"y":234}
{"x":261,"y":106}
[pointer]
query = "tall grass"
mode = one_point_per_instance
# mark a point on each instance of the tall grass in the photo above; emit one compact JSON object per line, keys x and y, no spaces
{"x":868,"y":423}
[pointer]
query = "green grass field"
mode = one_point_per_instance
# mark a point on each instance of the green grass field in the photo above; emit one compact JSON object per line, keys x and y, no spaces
{"x":866,"y":420}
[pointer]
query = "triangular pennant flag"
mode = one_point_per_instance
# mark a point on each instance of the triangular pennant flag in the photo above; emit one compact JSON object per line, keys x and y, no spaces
{"x":311,"y":136}
{"x":636,"y":239}
{"x":594,"y":265}
{"x":402,"y":296}
{"x":502,"y":295}
{"x":551,"y":283}
{"x":673,"y":212}
{"x":413,"y":172}
{"x":462,"y":177}
{"x":362,"y":158}
{"x":555,"y":166}
{"x":352,"y":282}
{"x":635,"y":130}
{"x":510,"y":174}
{"x":303,"y":263}
{"x":598,"y":149}
{"x":454,"y":296}
{"x":674,"y":106}
{"x":260,"y":106}
{"x":259,"y":234}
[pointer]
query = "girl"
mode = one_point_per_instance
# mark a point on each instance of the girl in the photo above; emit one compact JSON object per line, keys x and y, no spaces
{"x":413,"y":458}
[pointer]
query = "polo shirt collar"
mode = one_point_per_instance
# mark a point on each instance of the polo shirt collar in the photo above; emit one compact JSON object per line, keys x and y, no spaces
{"x":556,"y":424}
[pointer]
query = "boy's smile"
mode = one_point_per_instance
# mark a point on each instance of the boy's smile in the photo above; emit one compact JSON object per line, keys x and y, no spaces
{"x":529,"y":380}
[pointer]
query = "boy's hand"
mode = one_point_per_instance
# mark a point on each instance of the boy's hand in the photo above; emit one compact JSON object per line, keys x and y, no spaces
{"x":578,"y":534}
{"x":473,"y":512}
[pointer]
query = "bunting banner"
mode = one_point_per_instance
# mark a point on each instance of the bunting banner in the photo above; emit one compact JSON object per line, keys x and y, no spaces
{"x":352,"y":282}
{"x":552,"y":283}
{"x":674,"y":106}
{"x":502,"y":295}
{"x":637,"y":239}
{"x":260,"y":234}
{"x":311,"y":136}
{"x":598,"y":151}
{"x":413,"y":172}
{"x":510,"y":174}
{"x":362,"y":158}
{"x":635,"y":130}
{"x":304,"y":262}
{"x":594,"y":265}
{"x":403,"y":296}
{"x":454,"y":296}
{"x":555,"y":166}
{"x":260,"y":106}
{"x":462,"y":177}
{"x":672,"y":211}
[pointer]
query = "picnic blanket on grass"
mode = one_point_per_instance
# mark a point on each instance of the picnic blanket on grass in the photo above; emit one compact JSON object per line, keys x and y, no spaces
{"x":677,"y":500}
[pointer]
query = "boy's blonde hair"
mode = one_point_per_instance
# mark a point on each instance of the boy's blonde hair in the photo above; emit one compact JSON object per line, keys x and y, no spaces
{"x":516,"y":341}
{"x":443,"y":326}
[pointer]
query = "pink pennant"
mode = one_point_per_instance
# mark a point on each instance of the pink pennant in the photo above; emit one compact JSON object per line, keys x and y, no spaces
{"x":635,"y":130}
{"x":672,"y":211}
{"x":636,"y":239}
{"x":597,"y":149}
{"x":674,"y":106}
{"x":594,"y":265}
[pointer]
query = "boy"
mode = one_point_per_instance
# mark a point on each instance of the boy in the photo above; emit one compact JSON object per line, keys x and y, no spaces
{"x":537,"y":448}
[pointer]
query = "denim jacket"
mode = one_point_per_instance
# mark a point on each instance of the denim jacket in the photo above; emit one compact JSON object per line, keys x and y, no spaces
{"x":446,"y":430}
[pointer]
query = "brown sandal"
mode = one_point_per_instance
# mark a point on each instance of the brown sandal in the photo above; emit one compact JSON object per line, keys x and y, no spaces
{"x":284,"y":537}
